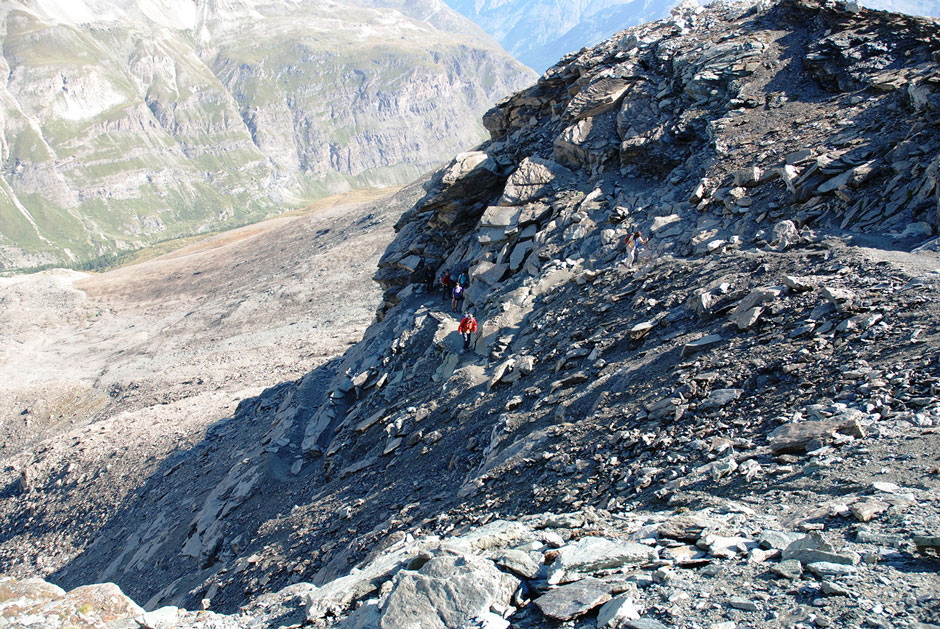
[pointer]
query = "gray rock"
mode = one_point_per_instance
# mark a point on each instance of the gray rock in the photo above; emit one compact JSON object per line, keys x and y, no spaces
{"x":644,"y":623}
{"x":615,"y":611}
{"x":813,"y":548}
{"x":446,"y":592}
{"x":798,"y":284}
{"x":865,"y":510}
{"x":700,"y":344}
{"x":789,"y":569}
{"x":590,"y":554}
{"x":596,"y":98}
{"x":519,"y":253}
{"x":795,"y":436}
{"x":834,"y":589}
{"x":573,"y":600}
{"x":744,"y":604}
{"x":827,"y":569}
{"x":777,"y":539}
{"x":746,"y":319}
{"x":720,"y":398}
{"x":841,"y":298}
{"x":532,"y":180}
{"x":517,"y":562}
{"x":497,"y":216}
{"x":162,"y":618}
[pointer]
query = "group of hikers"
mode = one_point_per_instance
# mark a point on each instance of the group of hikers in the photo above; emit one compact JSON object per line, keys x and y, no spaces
{"x":454,"y":287}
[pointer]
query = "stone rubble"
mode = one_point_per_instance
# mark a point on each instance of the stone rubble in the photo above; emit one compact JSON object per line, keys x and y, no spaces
{"x":739,"y":430}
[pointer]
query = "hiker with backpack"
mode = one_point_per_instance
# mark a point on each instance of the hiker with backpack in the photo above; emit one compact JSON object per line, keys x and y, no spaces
{"x":445,"y":285}
{"x":457,"y":298}
{"x":635,"y":242}
{"x":467,"y":327}
{"x":427,"y":278}
{"x":462,"y":279}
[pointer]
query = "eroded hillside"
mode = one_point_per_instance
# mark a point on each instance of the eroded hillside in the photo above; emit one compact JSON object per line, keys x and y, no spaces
{"x":128,"y":123}
{"x":740,"y":428}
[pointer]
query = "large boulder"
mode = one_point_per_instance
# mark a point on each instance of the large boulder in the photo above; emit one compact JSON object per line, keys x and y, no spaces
{"x":446,"y":592}
{"x":533,"y":179}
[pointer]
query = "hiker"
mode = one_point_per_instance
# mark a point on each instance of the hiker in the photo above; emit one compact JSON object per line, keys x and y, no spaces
{"x":427,"y":278}
{"x":445,"y":285}
{"x":467,"y":327}
{"x":635,"y":242}
{"x":462,"y":279}
{"x":457,"y":298}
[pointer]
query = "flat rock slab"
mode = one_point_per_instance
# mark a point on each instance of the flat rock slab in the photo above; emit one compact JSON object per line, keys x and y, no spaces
{"x":865,"y":510}
{"x":682,"y":528}
{"x":795,"y":436}
{"x":591,"y":554}
{"x":517,"y":562}
{"x":720,"y":398}
{"x":573,"y":600}
{"x":826,"y":569}
{"x":703,"y":343}
{"x":789,"y":569}
{"x":813,"y":549}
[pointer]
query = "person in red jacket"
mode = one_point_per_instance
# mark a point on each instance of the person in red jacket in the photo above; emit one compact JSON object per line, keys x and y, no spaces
{"x":467,"y":327}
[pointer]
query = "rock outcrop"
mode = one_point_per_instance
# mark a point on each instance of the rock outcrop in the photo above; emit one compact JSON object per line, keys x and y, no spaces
{"x":129,"y":123}
{"x":739,"y":428}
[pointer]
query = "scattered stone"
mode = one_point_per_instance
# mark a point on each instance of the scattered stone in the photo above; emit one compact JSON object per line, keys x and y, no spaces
{"x":719,"y":398}
{"x":827,"y":569}
{"x":865,"y":510}
{"x":813,"y":548}
{"x":796,"y":436}
{"x":843,"y":299}
{"x":744,"y":604}
{"x":700,"y":344}
{"x":788,"y":569}
{"x":573,"y":600}
{"x":517,"y":562}
{"x":615,"y":611}
{"x":590,"y":554}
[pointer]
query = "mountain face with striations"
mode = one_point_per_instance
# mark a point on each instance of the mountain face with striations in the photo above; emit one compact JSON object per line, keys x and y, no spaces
{"x":738,"y":428}
{"x":125,"y":122}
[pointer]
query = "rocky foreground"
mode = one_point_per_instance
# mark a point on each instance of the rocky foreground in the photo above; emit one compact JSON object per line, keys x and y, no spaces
{"x":740,"y":430}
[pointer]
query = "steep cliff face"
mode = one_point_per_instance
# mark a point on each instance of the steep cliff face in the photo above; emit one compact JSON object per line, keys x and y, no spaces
{"x":125,"y":123}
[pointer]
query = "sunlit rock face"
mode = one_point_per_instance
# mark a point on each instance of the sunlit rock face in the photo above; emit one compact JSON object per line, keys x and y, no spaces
{"x":125,"y":123}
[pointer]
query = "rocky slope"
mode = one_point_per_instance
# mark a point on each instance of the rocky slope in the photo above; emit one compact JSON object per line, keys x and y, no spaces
{"x":740,"y":430}
{"x":125,"y":123}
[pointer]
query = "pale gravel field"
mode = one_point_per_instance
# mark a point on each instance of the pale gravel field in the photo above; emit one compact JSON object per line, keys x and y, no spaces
{"x":170,"y":346}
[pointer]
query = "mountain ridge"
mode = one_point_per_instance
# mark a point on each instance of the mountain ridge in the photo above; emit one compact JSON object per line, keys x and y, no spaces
{"x":740,"y":428}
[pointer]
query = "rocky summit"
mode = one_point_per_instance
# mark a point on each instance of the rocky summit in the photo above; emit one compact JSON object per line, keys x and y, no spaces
{"x":740,"y":428}
{"x":129,"y":123}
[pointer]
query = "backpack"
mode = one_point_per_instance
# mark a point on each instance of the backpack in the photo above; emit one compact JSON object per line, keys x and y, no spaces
{"x":462,"y":280}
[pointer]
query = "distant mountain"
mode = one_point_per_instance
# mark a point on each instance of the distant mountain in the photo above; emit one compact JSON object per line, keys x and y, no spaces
{"x":124,"y":122}
{"x":927,"y":8}
{"x":539,"y":32}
